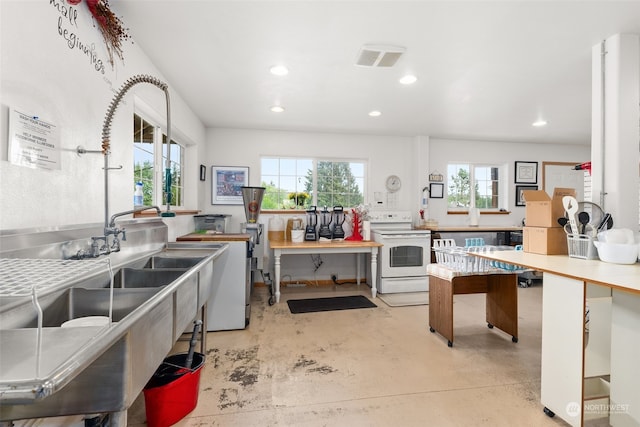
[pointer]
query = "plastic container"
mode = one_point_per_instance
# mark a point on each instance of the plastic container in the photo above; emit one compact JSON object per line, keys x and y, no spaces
{"x":616,"y":235}
{"x":138,"y":196}
{"x":297,"y":236}
{"x":617,"y":253}
{"x":172,"y":392}
{"x":276,"y":229}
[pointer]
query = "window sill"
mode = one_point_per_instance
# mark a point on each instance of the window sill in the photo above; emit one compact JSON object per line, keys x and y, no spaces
{"x":153,"y":213}
{"x":481,"y":213}
{"x":283,"y":211}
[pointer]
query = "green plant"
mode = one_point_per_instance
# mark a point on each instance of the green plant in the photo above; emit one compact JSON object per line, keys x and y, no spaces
{"x":299,"y":198}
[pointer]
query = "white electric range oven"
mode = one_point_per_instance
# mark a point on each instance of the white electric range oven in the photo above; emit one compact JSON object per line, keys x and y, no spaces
{"x":403,"y":259}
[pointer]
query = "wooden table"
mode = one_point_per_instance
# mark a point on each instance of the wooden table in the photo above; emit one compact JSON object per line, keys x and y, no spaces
{"x":501,"y":303}
{"x":327,"y":247}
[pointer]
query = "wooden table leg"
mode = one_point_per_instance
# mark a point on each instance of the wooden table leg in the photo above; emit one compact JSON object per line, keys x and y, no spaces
{"x":502,"y":303}
{"x":441,"y":307}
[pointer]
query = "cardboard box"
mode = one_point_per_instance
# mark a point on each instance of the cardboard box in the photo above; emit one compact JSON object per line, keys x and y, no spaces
{"x":544,"y":240}
{"x":542,"y":210}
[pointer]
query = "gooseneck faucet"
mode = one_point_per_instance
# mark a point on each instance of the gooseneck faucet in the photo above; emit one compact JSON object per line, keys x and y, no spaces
{"x":100,"y":245}
{"x":106,"y":136}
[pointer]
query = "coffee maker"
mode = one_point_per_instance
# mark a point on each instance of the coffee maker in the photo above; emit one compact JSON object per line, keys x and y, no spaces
{"x":312,"y":222}
{"x":338,"y":220}
{"x":325,"y":221}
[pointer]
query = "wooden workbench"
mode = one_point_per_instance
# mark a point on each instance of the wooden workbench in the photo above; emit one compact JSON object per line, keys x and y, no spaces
{"x":332,"y":247}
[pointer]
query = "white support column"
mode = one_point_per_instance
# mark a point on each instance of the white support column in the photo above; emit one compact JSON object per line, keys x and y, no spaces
{"x":421,"y":159}
{"x":615,"y":154}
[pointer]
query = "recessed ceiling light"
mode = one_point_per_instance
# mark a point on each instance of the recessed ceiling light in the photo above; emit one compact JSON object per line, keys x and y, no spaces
{"x":408,"y":79}
{"x":539,"y":123}
{"x":277,"y":109}
{"x":375,"y":113}
{"x":279,"y":70}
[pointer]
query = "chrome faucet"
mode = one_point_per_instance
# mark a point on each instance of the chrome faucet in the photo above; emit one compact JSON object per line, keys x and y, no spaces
{"x":106,"y":135}
{"x":100,"y":244}
{"x":109,"y":225}
{"x":112,"y":229}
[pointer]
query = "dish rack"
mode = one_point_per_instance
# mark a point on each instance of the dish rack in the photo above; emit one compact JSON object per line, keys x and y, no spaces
{"x":581,"y":246}
{"x":462,"y":259}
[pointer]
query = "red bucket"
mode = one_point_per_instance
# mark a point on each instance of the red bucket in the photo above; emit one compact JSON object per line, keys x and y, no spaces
{"x":172,"y":392}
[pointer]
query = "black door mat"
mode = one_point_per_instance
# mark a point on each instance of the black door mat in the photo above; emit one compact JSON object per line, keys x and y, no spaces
{"x":313,"y":305}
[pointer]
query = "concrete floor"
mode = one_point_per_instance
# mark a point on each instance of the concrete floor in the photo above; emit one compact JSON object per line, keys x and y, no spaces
{"x":369,"y":367}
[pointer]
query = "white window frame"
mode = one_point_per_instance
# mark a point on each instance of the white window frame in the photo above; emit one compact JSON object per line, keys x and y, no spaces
{"x":159,"y":163}
{"x":315,"y":160}
{"x":503,"y":186}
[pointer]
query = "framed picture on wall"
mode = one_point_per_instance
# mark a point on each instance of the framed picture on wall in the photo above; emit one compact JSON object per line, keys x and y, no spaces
{"x":519,"y":196}
{"x":227,"y":183}
{"x":526,"y":172}
{"x":436,"y":191}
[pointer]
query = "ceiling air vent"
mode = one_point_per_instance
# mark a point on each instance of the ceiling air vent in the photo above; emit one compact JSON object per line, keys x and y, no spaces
{"x":379,"y":56}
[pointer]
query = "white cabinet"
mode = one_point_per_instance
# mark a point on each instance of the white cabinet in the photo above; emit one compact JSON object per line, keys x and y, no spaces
{"x":228,"y":306}
{"x":602,"y":380}
{"x":625,"y":357}
{"x":578,"y":383}
{"x":562,"y":343}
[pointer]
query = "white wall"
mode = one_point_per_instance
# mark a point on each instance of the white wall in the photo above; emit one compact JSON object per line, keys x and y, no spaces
{"x":412,"y":159}
{"x":385,"y":155}
{"x":41,"y":75}
{"x":443,"y":151}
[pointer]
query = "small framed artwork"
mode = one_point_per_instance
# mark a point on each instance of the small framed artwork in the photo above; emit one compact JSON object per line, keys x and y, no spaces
{"x":435,"y":177}
{"x":526,"y":172}
{"x":436,"y":191}
{"x":203,"y":173}
{"x":519,"y":195}
{"x":227,"y":183}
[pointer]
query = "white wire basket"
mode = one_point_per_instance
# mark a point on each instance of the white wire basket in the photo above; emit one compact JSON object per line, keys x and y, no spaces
{"x":463,"y":259}
{"x":581,"y":246}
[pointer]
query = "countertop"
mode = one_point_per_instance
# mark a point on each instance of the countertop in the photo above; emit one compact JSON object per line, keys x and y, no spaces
{"x":217,"y":237}
{"x":623,"y":277}
{"x":469,"y":228}
{"x":325,"y":244}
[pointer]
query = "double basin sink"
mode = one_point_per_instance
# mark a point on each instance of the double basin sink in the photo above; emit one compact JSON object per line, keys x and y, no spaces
{"x":55,"y":370}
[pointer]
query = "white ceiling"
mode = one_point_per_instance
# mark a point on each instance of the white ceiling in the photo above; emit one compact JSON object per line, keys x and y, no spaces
{"x":486,"y":70}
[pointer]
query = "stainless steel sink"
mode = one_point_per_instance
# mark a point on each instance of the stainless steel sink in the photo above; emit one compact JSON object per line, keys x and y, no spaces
{"x":80,"y":302}
{"x":88,"y":370}
{"x":146,"y":278}
{"x":172,"y":262}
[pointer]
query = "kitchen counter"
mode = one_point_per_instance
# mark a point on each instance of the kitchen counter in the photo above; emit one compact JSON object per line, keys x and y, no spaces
{"x":622,"y":277}
{"x":468,"y":228}
{"x":214,"y":237}
{"x":577,"y":354}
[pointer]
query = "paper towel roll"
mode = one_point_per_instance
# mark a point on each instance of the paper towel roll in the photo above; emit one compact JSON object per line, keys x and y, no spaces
{"x":366,"y":230}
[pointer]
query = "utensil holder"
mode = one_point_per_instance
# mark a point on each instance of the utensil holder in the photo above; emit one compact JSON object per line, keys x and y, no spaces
{"x":581,"y":246}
